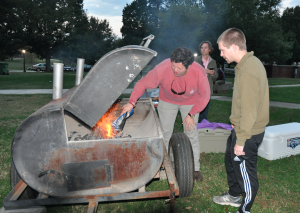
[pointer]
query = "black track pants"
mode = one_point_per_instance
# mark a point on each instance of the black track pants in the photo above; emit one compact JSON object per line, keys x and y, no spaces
{"x":242,"y":170}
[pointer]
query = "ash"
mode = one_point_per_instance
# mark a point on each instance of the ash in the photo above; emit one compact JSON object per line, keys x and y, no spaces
{"x":96,"y":136}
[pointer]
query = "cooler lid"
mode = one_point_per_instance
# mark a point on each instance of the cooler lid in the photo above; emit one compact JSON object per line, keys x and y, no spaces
{"x":106,"y":81}
{"x":282,"y":130}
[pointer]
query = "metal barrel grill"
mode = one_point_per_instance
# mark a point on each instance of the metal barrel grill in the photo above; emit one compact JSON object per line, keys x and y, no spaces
{"x":67,"y":150}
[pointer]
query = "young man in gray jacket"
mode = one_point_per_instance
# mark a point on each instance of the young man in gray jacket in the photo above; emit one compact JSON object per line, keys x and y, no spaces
{"x":210,"y":67}
{"x":249,"y":117}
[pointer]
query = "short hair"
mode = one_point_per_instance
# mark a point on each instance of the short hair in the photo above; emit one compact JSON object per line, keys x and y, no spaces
{"x":209,"y":45}
{"x":182,"y":55}
{"x":233,"y":36}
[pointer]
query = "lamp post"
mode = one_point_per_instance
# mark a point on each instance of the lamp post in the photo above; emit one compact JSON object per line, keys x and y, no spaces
{"x":24,"y":51}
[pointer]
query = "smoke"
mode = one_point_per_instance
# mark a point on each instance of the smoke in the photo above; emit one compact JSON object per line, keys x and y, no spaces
{"x":180,"y":26}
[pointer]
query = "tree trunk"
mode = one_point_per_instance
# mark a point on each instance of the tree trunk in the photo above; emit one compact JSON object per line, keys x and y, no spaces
{"x":48,"y":67}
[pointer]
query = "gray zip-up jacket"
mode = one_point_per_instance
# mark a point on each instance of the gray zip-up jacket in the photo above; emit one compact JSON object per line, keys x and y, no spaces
{"x":211,"y":64}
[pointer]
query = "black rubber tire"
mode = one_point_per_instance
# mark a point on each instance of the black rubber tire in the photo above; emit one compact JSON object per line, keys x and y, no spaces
{"x":38,"y":69}
{"x":182,"y":160}
{"x":28,"y":193}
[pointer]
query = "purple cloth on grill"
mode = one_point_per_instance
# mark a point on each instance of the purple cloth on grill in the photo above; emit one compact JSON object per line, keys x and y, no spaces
{"x":206,"y":124}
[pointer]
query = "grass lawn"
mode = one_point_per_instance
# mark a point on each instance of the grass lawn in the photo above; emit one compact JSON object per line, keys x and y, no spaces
{"x":283,"y":81}
{"x":30,"y":80}
{"x":282,"y":94}
{"x":272,"y":81}
{"x":40,"y":80}
{"x":279,"y":179}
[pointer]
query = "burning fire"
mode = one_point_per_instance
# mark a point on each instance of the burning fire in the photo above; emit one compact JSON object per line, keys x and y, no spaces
{"x":103,"y":126}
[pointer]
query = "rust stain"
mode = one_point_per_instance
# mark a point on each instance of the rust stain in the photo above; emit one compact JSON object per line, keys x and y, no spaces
{"x":57,"y":159}
{"x":128,"y":160}
{"x":99,"y":175}
{"x":108,"y":195}
{"x":155,"y":194}
{"x":92,"y":204}
{"x":19,"y":185}
{"x":67,"y":155}
{"x":91,"y":197}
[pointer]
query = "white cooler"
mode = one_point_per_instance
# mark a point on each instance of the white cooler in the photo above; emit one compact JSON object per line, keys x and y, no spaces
{"x":277,"y":140}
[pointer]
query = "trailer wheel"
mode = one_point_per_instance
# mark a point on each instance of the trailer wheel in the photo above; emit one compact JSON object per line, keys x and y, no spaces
{"x":182,"y":161}
{"x":28,"y":193}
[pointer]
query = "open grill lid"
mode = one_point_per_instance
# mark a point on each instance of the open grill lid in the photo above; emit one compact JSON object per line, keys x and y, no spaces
{"x":106,"y":81}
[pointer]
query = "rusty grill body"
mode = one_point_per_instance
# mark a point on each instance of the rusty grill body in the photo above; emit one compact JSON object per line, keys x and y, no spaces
{"x":53,"y":156}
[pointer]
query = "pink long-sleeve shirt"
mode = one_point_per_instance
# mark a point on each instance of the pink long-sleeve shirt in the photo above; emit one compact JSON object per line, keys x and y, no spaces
{"x":197,"y":86}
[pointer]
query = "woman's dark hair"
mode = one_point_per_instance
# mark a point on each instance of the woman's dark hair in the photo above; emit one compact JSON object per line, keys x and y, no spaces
{"x":209,"y":46}
{"x":182,"y":55}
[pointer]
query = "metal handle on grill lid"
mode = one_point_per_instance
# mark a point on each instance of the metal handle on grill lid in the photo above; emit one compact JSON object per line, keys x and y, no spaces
{"x":148,"y":39}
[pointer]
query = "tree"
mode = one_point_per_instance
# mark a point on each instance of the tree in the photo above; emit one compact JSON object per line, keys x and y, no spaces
{"x":290,"y":25}
{"x":90,"y":42}
{"x":135,"y":22}
{"x":48,"y":23}
{"x":10,"y":29}
{"x":260,"y":22}
{"x":181,"y":25}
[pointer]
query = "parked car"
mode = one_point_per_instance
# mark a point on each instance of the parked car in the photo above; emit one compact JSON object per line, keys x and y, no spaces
{"x":40,"y":67}
{"x":68,"y":68}
{"x":85,"y":67}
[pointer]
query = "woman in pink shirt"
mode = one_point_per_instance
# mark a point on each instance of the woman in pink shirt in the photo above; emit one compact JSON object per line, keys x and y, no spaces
{"x":183,"y":86}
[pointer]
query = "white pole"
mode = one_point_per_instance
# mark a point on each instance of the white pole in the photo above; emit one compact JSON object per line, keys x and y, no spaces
{"x":79,"y":71}
{"x":58,"y":72}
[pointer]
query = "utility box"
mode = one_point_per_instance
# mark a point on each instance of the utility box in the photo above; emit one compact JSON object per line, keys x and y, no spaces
{"x":213,"y":140}
{"x":3,"y":68}
{"x":279,"y":140}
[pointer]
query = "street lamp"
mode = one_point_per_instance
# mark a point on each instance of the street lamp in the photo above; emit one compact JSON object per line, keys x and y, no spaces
{"x":195,"y":54}
{"x":24,"y":51}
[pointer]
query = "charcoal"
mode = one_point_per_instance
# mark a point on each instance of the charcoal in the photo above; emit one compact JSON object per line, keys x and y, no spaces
{"x":122,"y":135}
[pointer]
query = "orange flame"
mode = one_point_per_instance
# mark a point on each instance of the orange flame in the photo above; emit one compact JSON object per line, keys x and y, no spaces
{"x":103,"y":126}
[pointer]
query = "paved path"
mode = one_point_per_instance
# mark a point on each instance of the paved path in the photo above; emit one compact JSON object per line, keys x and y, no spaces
{"x":292,"y":85}
{"x":10,"y":71}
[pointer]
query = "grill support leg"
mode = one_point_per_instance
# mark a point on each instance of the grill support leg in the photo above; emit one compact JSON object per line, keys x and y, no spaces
{"x":142,"y":189}
{"x":172,"y":197}
{"x":16,"y":191}
{"x":92,"y":207}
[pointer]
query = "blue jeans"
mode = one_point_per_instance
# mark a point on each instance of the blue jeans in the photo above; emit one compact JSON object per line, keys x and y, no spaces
{"x":203,"y":114}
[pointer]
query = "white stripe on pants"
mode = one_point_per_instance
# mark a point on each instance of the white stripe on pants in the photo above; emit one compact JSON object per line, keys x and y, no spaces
{"x":167,"y":116}
{"x":247,"y":185}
